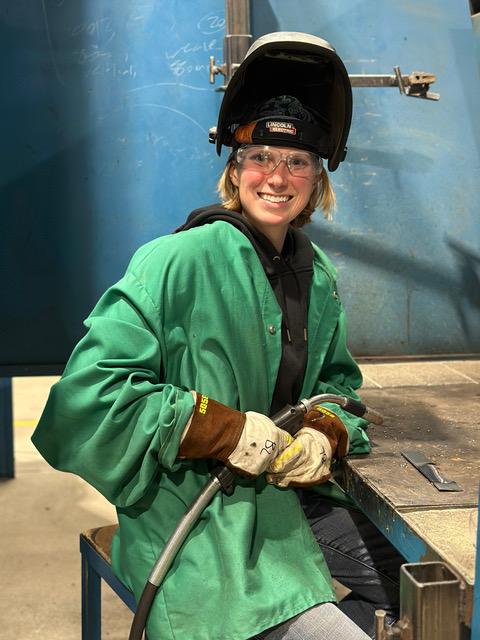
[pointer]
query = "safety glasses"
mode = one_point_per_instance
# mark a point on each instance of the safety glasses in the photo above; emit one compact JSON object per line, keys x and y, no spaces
{"x":301,"y":164}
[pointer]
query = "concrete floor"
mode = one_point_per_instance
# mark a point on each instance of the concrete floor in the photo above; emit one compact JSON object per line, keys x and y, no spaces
{"x":44,"y":510}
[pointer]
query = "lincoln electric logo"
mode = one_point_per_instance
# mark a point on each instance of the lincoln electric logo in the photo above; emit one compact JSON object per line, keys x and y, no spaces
{"x":281,"y":127}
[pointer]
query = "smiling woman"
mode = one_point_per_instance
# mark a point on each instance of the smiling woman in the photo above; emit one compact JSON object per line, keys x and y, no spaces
{"x":294,"y":138}
{"x":274,"y":186}
{"x":212,"y":330}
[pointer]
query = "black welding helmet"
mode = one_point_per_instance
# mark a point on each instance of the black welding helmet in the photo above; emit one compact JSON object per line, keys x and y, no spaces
{"x":292,"y":90}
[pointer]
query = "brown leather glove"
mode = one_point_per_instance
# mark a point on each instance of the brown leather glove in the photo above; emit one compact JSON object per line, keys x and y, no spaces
{"x":246,"y":442}
{"x":328,"y":423}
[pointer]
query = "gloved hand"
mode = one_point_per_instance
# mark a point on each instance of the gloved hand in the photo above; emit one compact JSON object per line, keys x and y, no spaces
{"x":307,"y":460}
{"x":245,"y":442}
{"x":328,"y":423}
{"x":303,"y":463}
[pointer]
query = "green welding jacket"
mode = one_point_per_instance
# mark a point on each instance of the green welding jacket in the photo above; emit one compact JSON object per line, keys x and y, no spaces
{"x":195,"y":311}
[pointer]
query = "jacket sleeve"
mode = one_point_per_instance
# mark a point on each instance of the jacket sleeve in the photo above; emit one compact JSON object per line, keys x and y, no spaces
{"x":341,"y":375}
{"x":111,"y":419}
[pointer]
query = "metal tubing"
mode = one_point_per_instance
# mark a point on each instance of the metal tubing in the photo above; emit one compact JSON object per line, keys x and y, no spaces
{"x":237,"y":16}
{"x":429,"y":600}
{"x":181,"y":532}
{"x":368,"y":80}
{"x":380,"y":616}
{"x":237,"y":35}
{"x":383,"y":80}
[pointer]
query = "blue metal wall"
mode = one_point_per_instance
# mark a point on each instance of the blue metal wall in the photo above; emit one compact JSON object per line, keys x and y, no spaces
{"x":409,"y":236}
{"x":107,"y":108}
{"x":406,"y":238}
{"x":105,"y":111}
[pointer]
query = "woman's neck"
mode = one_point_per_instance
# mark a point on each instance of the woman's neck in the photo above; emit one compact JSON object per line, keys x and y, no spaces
{"x":276,"y":234}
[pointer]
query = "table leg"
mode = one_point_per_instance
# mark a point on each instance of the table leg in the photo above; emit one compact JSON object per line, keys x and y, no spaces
{"x":6,"y":429}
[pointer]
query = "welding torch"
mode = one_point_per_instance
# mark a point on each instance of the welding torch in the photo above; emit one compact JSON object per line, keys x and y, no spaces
{"x":290,"y":419}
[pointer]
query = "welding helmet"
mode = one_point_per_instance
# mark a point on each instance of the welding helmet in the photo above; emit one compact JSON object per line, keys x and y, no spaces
{"x":291,"y":90}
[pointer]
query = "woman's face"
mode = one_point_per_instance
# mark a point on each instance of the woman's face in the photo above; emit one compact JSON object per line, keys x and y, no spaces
{"x":271,"y":201}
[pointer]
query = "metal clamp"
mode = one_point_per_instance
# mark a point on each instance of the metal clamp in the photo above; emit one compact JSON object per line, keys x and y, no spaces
{"x":215,"y":68}
{"x":415,"y":85}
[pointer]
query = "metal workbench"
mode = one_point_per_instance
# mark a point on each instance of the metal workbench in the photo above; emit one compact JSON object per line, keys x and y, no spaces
{"x":424,"y":524}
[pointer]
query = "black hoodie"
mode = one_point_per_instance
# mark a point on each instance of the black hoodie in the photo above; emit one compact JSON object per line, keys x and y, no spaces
{"x":290,"y":275}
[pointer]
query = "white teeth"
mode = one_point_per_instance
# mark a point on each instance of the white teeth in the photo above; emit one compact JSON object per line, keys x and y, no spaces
{"x":272,"y":198}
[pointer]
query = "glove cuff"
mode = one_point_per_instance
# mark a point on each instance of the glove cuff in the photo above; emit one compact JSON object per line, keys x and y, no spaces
{"x":213,"y":430}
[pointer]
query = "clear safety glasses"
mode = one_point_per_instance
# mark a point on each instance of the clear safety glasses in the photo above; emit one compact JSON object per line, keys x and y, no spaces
{"x":301,"y":164}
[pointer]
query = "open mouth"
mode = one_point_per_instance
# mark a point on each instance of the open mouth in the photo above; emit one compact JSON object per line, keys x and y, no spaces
{"x":269,"y":197}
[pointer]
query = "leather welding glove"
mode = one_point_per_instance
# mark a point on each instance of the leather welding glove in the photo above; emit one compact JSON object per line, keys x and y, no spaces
{"x":307,"y":460}
{"x":245,"y":442}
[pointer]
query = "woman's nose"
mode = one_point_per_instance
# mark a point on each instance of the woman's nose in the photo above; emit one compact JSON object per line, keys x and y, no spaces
{"x":279,"y":175}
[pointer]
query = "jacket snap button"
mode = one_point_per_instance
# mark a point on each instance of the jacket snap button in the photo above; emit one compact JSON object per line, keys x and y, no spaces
{"x":272,"y":329}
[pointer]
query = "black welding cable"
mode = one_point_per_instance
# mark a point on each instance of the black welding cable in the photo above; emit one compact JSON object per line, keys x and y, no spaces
{"x":143,"y":609}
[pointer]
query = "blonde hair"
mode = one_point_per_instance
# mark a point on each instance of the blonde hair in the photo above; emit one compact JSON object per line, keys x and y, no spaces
{"x":323,"y":196}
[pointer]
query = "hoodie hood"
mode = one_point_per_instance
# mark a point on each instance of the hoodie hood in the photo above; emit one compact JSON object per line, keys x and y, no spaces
{"x":297,"y":250}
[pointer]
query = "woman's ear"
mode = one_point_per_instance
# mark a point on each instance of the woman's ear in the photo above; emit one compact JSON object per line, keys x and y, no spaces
{"x":233,"y":175}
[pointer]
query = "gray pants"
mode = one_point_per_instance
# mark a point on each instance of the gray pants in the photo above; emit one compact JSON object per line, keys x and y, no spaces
{"x":361,"y":559}
{"x":323,"y":622}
